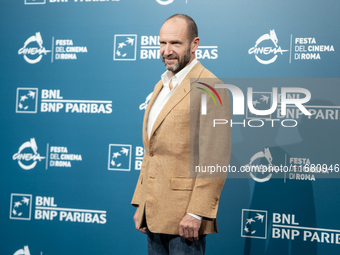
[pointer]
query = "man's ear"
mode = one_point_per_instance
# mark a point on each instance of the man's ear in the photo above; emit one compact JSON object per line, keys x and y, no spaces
{"x":194,"y":44}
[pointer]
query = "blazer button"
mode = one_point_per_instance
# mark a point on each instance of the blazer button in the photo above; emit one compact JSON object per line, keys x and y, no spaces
{"x":151,"y":154}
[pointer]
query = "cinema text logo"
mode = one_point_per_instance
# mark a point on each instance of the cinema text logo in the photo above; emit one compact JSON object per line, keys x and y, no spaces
{"x":299,"y":171}
{"x":57,"y":156}
{"x":31,"y":53}
{"x":261,"y":168}
{"x":261,"y":52}
{"x":25,"y":154}
{"x":60,"y":157}
{"x":47,"y":209}
{"x":65,"y":49}
{"x":265,"y":154}
{"x":165,"y":2}
{"x":119,"y":158}
{"x":309,"y":49}
{"x":61,"y":49}
{"x":24,"y":251}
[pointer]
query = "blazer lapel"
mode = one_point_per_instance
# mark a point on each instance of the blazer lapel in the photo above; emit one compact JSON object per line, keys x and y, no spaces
{"x":180,"y":92}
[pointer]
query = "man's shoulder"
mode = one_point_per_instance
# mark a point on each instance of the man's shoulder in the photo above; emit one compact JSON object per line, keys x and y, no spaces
{"x":205,"y":73}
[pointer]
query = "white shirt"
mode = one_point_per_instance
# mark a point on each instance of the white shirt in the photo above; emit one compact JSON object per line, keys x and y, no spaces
{"x":166,"y":93}
{"x":163,"y":97}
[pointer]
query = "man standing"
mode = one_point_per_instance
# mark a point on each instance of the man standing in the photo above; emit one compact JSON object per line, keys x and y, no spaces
{"x":175,"y":208}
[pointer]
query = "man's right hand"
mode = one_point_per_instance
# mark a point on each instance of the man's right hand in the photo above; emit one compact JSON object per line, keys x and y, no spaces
{"x":136,"y":219}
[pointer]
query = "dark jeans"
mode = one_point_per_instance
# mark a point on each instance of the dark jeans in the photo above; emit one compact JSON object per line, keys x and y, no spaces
{"x":159,"y":244}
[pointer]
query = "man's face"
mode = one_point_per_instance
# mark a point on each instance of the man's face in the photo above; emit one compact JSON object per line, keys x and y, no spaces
{"x":175,"y":47}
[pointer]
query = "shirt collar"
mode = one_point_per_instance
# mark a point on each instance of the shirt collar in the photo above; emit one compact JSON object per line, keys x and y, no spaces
{"x":178,"y":77}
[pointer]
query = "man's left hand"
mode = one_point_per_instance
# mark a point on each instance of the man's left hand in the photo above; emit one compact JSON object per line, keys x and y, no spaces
{"x":188,"y":227}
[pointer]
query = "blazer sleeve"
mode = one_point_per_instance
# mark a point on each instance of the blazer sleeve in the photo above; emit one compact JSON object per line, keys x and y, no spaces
{"x":212,"y":151}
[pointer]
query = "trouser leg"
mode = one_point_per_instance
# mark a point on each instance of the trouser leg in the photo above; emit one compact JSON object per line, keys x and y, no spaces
{"x":164,"y":244}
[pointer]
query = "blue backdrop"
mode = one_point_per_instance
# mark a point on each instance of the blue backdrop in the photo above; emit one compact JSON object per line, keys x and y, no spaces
{"x":76,"y":76}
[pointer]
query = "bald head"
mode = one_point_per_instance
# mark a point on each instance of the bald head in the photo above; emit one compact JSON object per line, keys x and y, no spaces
{"x":191,"y":27}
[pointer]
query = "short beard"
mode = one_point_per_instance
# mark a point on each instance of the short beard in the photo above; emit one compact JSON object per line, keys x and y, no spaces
{"x":181,"y":63}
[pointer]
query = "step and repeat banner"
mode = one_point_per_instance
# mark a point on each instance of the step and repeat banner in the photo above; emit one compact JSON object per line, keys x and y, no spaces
{"x":76,"y":77}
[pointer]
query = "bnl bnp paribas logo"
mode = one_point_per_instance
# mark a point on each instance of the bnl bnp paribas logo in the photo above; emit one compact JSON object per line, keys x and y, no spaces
{"x":46,"y":209}
{"x":21,"y":207}
{"x":33,"y":49}
{"x":52,"y":101}
{"x":27,"y":100}
{"x":120,"y":157}
{"x":254,"y":224}
{"x":266,"y":49}
{"x":125,"y":48}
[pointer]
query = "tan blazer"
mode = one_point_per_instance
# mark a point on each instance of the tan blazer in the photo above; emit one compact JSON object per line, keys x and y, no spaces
{"x":165,"y":190}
